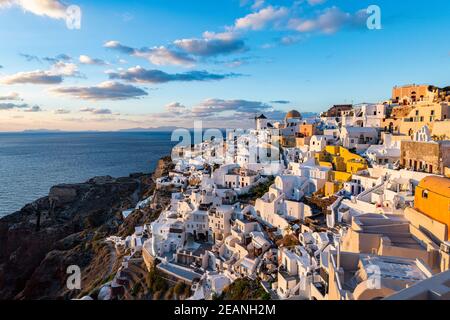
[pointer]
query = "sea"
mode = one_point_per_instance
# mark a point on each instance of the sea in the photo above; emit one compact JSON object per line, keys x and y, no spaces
{"x":31,"y":163}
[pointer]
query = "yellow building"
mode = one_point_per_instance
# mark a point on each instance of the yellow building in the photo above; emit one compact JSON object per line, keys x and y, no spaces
{"x":432,"y":198}
{"x":341,"y":159}
{"x":344,"y":164}
{"x":425,"y":114}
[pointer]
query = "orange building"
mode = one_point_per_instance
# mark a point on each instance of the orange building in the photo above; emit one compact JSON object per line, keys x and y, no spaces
{"x":304,"y":134}
{"x":411,"y":92}
{"x":432,"y":198}
{"x":307,"y":130}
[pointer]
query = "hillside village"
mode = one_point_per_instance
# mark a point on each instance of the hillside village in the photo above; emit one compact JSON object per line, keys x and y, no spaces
{"x":351,"y":205}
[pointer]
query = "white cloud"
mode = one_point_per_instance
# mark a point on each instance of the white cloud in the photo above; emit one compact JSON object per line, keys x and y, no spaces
{"x":96,"y":111}
{"x":108,"y":90}
{"x":262,"y":18}
{"x":257,"y":4}
{"x":12,"y":96}
{"x":55,"y":75}
{"x":175,"y":108}
{"x":164,"y":56}
{"x":34,"y":77}
{"x":9,"y":106}
{"x":116,"y":45}
{"x":211,"y":107}
{"x":213,"y":112}
{"x":54,"y":9}
{"x":84,"y":59}
{"x":328,"y":21}
{"x":139,"y":74}
{"x":65,"y":69}
{"x":212,"y":44}
{"x":24,"y":106}
{"x":157,"y":55}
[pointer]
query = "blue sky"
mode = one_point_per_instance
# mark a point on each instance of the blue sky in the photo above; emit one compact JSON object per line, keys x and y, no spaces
{"x":170,"y":62}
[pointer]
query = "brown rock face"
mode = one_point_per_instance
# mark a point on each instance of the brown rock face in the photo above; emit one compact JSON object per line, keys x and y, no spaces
{"x":68,"y":227}
{"x":61,"y":195}
{"x":39,"y":242}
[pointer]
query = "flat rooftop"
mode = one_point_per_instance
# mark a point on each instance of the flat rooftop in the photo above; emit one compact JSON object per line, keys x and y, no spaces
{"x":394,"y":268}
{"x":179,"y":271}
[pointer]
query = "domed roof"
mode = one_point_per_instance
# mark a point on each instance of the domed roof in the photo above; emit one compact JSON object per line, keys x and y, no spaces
{"x":293,"y":114}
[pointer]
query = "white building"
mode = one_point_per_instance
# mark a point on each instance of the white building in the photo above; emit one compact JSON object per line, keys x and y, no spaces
{"x":319,"y":142}
{"x":365,"y":115}
{"x":295,"y":266}
{"x":386,"y":154}
{"x":359,"y":138}
{"x":219,"y":221}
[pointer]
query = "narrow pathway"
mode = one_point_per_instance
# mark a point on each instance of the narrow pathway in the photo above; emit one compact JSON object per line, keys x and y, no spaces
{"x":113,"y":256}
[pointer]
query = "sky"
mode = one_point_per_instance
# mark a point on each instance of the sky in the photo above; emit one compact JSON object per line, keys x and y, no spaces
{"x":143,"y":64}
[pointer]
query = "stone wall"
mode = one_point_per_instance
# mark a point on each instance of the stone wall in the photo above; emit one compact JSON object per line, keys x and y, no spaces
{"x":417,"y":155}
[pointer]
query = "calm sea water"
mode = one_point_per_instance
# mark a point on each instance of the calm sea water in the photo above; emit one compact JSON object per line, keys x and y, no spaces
{"x":31,"y":163}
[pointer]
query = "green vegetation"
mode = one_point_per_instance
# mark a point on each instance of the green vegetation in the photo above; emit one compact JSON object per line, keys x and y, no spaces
{"x":244,"y":289}
{"x":155,"y":282}
{"x":257,"y":191}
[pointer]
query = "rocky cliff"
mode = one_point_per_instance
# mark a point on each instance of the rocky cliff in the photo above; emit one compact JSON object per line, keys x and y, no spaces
{"x":68,"y":227}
